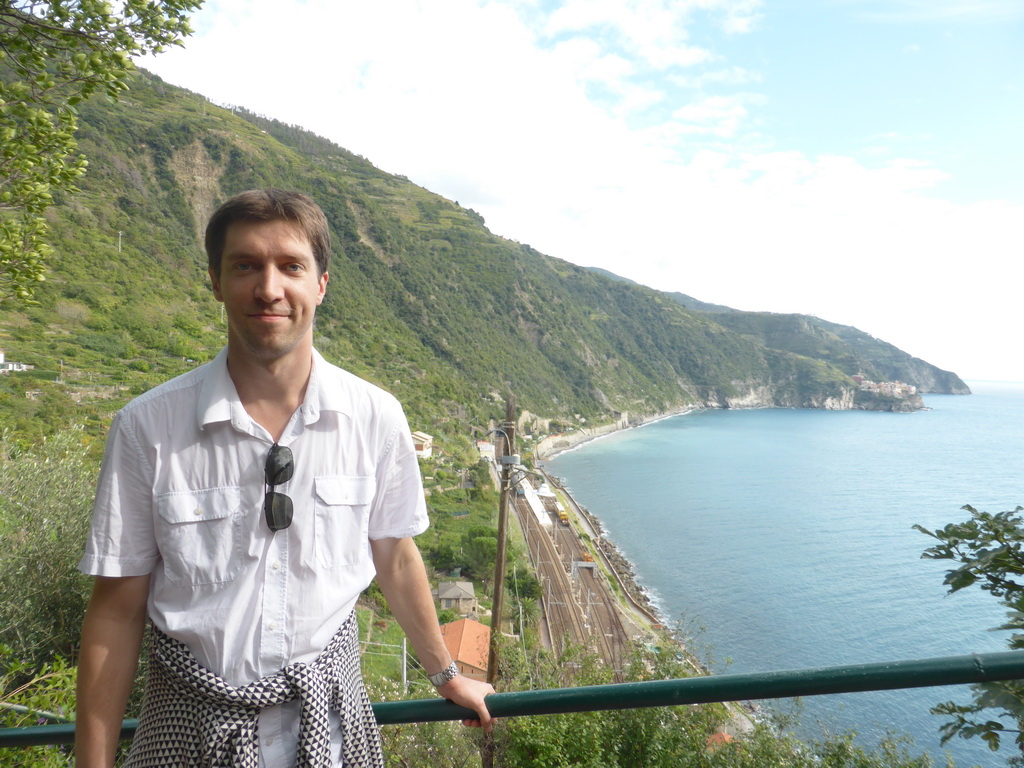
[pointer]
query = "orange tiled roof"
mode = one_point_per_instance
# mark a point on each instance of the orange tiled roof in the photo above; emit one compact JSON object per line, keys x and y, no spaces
{"x":718,"y":738}
{"x":467,"y":641}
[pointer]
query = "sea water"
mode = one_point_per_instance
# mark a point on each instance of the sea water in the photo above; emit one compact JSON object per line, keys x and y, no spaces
{"x":787,"y":535}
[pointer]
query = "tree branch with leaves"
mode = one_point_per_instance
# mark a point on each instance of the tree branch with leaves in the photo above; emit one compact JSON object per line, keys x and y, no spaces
{"x":988,"y":548}
{"x":53,"y":55}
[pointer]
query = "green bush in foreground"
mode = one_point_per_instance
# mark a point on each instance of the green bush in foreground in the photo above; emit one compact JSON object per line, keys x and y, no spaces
{"x":662,"y":737}
{"x":45,"y":505}
{"x":32,"y":697}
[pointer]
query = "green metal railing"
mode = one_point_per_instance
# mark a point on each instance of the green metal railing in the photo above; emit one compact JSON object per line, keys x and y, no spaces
{"x":881,"y":676}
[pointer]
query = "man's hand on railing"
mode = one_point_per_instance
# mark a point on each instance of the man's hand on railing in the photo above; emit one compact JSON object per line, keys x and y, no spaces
{"x":470,"y":693}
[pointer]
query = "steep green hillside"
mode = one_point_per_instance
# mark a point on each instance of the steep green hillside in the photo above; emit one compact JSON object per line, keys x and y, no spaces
{"x":422,"y":299}
{"x":850,"y":350}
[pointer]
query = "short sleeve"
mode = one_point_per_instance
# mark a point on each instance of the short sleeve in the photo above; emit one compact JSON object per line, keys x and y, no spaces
{"x":121,"y":539}
{"x":399,"y":508}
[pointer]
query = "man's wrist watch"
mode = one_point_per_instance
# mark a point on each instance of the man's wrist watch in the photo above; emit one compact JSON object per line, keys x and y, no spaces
{"x":440,"y":678}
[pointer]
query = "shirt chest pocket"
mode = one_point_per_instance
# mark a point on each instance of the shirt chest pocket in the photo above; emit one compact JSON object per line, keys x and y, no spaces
{"x":199,"y":535}
{"x":342,"y":517}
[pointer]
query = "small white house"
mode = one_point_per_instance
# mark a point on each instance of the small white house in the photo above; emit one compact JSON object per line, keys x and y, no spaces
{"x":424,"y":444}
{"x":5,"y":366}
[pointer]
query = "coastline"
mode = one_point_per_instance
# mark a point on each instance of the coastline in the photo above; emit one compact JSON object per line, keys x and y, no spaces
{"x":553,"y":445}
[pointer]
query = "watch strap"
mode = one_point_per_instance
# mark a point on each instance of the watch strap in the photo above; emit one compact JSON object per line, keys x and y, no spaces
{"x":440,"y":678}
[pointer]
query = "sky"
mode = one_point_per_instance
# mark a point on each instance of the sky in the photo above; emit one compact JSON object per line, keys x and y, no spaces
{"x":857,"y":160}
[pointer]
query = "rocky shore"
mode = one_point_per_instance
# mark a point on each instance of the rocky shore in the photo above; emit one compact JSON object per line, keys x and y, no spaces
{"x":621,"y":567}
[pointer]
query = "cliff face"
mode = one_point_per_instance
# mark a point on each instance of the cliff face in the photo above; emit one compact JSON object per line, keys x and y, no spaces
{"x":769,"y":396}
{"x":843,"y":398}
{"x":867,"y":401}
{"x":743,"y":396}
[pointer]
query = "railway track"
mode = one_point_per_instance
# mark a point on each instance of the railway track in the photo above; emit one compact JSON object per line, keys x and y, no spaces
{"x":578,"y":605}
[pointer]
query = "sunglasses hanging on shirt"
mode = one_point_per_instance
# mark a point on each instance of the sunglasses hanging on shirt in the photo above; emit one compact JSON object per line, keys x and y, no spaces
{"x":277,"y":507}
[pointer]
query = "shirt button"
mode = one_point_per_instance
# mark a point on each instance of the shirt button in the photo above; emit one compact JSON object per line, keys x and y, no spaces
{"x":269,"y":740}
{"x":198,"y":511}
{"x":272,"y":626}
{"x":277,"y":565}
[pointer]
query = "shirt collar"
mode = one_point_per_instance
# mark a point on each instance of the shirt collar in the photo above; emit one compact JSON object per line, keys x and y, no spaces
{"x":217,"y":393}
{"x":324,"y":398}
{"x":218,"y":399}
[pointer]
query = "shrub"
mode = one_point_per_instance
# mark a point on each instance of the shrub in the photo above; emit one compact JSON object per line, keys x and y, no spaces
{"x":46,"y":497}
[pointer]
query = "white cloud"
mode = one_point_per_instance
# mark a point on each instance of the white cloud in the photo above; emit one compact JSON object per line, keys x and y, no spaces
{"x":716,"y":115}
{"x":590,"y":63}
{"x":742,"y":17}
{"x":611,"y":73}
{"x":725,"y":76}
{"x":655,"y":32}
{"x":677,"y":56}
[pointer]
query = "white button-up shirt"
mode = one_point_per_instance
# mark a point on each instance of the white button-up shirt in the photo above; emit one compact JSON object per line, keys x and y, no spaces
{"x":180,"y":497}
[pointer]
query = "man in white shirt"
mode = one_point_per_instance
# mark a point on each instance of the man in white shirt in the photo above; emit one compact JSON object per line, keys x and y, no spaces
{"x":243,"y":507}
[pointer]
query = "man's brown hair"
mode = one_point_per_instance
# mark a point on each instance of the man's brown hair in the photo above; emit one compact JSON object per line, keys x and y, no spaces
{"x":269,"y":205}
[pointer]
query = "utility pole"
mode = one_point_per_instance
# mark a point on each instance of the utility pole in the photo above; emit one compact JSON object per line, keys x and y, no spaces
{"x":507,"y":459}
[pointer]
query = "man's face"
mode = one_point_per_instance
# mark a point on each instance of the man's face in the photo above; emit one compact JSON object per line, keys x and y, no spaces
{"x":269,"y":284}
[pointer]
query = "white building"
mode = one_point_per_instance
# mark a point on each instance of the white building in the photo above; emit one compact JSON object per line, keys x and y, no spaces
{"x":424,"y":444}
{"x":5,"y":366}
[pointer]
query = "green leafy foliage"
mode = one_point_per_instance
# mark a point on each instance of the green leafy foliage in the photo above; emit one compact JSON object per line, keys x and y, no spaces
{"x":54,"y":55}
{"x":676,"y":737}
{"x":45,"y":502}
{"x":846,"y":349}
{"x":989,"y":550}
{"x":661,"y":737}
{"x":454,"y":514}
{"x":480,"y":545}
{"x":31,"y":696}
